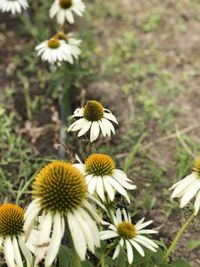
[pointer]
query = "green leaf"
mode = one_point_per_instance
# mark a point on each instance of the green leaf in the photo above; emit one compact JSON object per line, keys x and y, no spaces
{"x":121,"y":260}
{"x":192,"y":244}
{"x":66,"y":257}
{"x":87,"y":264}
{"x":181,"y":263}
{"x":138,"y":259}
{"x":165,"y":265}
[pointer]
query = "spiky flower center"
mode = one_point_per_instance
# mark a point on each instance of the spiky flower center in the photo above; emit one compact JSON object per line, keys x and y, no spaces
{"x":127,"y":230}
{"x":11,"y":220}
{"x":53,"y":43}
{"x":93,"y":111}
{"x":65,"y":3}
{"x":61,"y":36}
{"x":60,"y":187}
{"x":99,"y":165}
{"x":196,"y":167}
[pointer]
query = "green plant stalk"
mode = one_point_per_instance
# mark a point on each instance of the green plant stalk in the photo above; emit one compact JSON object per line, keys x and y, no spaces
{"x":103,"y":256}
{"x":177,"y":237}
{"x":131,"y":155}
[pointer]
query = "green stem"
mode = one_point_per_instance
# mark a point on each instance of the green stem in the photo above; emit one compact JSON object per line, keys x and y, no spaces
{"x":104,"y":255}
{"x":177,"y":237}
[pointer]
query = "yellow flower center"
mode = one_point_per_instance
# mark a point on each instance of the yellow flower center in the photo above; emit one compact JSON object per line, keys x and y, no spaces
{"x":93,"y":111}
{"x":11,"y":220}
{"x":61,"y":36}
{"x":99,"y":164}
{"x":53,"y":43}
{"x":60,"y":187}
{"x":196,"y":167}
{"x":65,"y":3}
{"x":127,"y":230}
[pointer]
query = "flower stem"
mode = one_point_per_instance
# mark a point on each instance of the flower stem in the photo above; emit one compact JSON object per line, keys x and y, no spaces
{"x":177,"y":237}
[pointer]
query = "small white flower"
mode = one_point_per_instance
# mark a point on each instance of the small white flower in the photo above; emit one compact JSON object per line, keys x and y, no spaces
{"x":130,"y":236}
{"x":13,"y":6}
{"x":12,"y":237}
{"x":94,"y":117}
{"x":57,"y":51}
{"x":188,"y":188}
{"x":64,"y":9}
{"x":103,"y":178}
{"x":60,"y":193}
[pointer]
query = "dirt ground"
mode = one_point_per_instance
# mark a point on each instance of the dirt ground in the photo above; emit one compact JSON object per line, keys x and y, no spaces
{"x":145,"y":56}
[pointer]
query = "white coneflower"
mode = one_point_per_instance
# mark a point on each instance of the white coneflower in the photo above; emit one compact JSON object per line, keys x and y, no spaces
{"x":94,"y":117}
{"x":56,"y":51}
{"x":60,"y":196}
{"x":72,"y":44}
{"x":13,"y":6}
{"x":189,"y":187}
{"x":130,"y":236}
{"x":64,"y":9}
{"x":11,"y":236}
{"x":103,"y":178}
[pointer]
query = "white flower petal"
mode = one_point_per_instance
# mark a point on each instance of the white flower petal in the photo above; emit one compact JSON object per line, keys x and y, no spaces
{"x":92,"y":185}
{"x":44,"y":236}
{"x":94,"y":131}
{"x":118,"y":187}
{"x":85,"y":229}
{"x":137,"y":247}
{"x":189,"y":178}
{"x":190,"y":193}
{"x":92,"y":225}
{"x":100,"y":188}
{"x":107,"y":234}
{"x":116,"y":253}
{"x":140,"y":225}
{"x":85,"y":128}
{"x":77,"y":236}
{"x":129,"y":252}
{"x":17,"y":254}
{"x":181,"y":186}
{"x":9,"y":252}
{"x":197,"y":203}
{"x":110,"y":117}
{"x":57,"y":235}
{"x":27,"y":254}
{"x":119,"y":215}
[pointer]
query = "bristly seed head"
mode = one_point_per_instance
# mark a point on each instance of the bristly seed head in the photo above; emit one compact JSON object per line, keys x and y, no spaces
{"x":127,"y":230}
{"x":11,"y":220}
{"x":60,"y":187}
{"x":93,"y":111}
{"x":65,"y":3}
{"x":99,"y":165}
{"x":61,"y":36}
{"x":196,"y":167}
{"x":53,"y":43}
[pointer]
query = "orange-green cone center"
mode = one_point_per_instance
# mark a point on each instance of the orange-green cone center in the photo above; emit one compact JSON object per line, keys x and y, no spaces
{"x":93,"y":111}
{"x":53,"y":43}
{"x":99,"y":165}
{"x":11,"y":220}
{"x":65,"y":3}
{"x":60,"y":187}
{"x":127,"y":230}
{"x":196,"y":167}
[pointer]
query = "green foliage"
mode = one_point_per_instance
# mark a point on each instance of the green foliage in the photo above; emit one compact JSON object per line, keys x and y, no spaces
{"x":193,"y":244}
